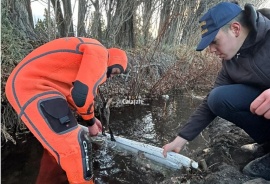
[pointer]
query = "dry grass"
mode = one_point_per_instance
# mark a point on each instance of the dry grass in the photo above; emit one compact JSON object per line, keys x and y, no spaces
{"x":151,"y":74}
{"x":192,"y":70}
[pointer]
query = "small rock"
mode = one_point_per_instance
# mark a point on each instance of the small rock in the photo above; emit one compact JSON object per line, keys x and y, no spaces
{"x":207,"y":150}
{"x":203,"y":165}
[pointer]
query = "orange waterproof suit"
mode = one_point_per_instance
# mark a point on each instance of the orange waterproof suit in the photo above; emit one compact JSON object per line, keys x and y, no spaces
{"x":58,"y":75}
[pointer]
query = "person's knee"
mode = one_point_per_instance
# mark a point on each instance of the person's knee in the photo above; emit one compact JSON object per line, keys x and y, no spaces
{"x":216,"y":100}
{"x":232,"y":98}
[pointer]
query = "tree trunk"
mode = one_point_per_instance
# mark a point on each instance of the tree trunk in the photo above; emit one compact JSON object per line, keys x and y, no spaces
{"x":176,"y":18}
{"x":81,"y":17}
{"x":109,"y":9}
{"x":29,"y":10}
{"x":96,"y":26}
{"x":68,"y":17}
{"x":191,"y":26}
{"x":18,"y":13}
{"x":147,"y":14}
{"x":165,"y":16}
{"x":125,"y":36}
{"x":59,"y":18}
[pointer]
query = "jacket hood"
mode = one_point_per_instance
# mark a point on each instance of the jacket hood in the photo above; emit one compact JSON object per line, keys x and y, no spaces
{"x":260,"y":25}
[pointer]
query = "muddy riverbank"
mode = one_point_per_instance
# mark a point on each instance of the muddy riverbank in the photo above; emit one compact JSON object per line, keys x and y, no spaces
{"x":224,"y":157}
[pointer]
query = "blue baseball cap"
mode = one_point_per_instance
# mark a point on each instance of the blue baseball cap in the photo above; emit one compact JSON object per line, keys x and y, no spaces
{"x":215,"y":19}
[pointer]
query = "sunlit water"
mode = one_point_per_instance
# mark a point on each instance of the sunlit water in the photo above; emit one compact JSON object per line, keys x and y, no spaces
{"x":155,"y":124}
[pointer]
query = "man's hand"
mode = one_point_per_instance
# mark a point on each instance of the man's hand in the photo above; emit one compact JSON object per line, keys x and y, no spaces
{"x":176,"y":145}
{"x":261,"y":105}
{"x":95,"y":128}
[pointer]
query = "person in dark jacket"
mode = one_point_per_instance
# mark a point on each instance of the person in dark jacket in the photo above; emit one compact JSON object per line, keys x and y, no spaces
{"x":241,"y":93}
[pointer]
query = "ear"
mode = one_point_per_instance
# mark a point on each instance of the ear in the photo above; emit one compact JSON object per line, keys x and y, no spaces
{"x":236,"y":28}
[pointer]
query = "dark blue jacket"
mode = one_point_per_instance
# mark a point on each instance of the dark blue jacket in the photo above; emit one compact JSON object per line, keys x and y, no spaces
{"x":251,"y":66}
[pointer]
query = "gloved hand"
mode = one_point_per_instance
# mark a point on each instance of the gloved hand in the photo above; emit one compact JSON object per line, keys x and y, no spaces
{"x":94,"y":127}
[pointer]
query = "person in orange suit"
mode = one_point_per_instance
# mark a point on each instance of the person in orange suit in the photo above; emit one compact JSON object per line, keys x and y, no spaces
{"x":55,"y":80}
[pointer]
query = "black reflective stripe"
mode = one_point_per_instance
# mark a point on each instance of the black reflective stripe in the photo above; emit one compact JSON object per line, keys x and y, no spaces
{"x":43,"y":139}
{"x":86,"y":113}
{"x":35,"y":97}
{"x":88,"y":43}
{"x":81,"y":40}
{"x":86,"y":150}
{"x":97,"y":83}
{"x":33,"y":59}
{"x":89,"y":109}
{"x":22,"y":113}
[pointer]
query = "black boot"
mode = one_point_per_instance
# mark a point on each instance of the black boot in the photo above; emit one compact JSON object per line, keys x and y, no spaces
{"x":259,"y":167}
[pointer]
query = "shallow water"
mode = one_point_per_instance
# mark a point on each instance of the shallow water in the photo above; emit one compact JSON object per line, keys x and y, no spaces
{"x":155,"y":124}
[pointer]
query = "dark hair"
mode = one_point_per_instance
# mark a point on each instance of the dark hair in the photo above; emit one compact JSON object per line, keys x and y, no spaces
{"x":241,"y":18}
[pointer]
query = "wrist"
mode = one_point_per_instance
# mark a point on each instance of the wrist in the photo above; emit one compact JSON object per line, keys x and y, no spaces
{"x":180,"y":140}
{"x":90,"y":122}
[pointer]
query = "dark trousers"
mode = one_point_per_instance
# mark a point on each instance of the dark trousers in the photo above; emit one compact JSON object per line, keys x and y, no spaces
{"x":232,"y":102}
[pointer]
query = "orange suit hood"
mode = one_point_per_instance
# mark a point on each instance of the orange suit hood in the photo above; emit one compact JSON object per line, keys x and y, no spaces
{"x":117,"y":59}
